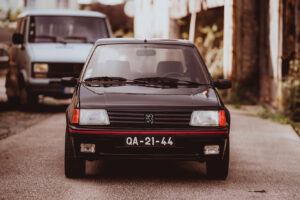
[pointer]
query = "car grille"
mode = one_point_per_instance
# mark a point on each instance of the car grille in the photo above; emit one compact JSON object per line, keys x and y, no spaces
{"x":59,"y":70}
{"x":166,"y":118}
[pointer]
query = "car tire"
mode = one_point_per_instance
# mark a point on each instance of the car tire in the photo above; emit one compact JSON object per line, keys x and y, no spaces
{"x":74,"y":167}
{"x":218,"y":169}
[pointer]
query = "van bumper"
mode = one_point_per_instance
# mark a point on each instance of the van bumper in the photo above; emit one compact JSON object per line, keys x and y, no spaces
{"x":49,"y":87}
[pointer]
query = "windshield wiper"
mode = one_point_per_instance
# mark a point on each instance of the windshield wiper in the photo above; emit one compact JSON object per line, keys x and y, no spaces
{"x":52,"y":38}
{"x":166,"y":81}
{"x":82,"y":38}
{"x":105,"y":81}
{"x":105,"y":78}
{"x":157,"y":82}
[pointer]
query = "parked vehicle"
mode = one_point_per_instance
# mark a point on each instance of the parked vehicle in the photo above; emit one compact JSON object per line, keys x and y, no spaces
{"x":48,"y":45}
{"x":4,"y":58}
{"x":146,"y":99}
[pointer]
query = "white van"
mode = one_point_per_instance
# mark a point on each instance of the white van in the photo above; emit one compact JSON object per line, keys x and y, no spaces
{"x":49,"y":45}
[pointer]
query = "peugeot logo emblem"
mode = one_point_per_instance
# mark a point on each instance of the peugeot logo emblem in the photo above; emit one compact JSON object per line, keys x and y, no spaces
{"x":149,"y":118}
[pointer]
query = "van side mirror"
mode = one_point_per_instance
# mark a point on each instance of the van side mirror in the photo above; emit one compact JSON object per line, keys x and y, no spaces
{"x":68,"y":81}
{"x":223,"y":84}
{"x":17,"y":38}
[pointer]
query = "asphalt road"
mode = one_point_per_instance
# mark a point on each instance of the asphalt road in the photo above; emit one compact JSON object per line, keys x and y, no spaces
{"x":265,"y":164}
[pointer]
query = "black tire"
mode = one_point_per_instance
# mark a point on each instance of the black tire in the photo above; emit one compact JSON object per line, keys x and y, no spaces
{"x":218,"y":169}
{"x":74,"y":168}
{"x":12,"y":98}
{"x":27,"y":99}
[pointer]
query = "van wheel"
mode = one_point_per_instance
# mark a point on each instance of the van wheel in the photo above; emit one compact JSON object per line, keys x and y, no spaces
{"x":218,"y":169}
{"x":74,"y":167}
{"x":27,"y":99}
{"x":11,"y":89}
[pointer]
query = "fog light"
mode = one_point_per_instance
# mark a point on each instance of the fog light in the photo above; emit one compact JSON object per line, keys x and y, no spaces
{"x":87,"y":148}
{"x":211,"y":149}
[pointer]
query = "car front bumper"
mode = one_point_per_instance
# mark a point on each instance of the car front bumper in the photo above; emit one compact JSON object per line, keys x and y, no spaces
{"x":110,"y":144}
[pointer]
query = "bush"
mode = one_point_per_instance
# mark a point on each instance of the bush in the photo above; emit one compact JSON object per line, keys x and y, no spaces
{"x":291,"y":91}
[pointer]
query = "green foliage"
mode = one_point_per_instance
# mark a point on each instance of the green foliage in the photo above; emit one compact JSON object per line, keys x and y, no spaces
{"x":274,"y":116}
{"x":296,"y":126}
{"x":279,"y":117}
{"x":8,"y":15}
{"x":291,"y":91}
{"x":14,"y":17}
{"x":210,"y":44}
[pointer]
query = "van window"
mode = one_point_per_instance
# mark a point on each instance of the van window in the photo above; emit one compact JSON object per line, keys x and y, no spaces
{"x":69,"y":29}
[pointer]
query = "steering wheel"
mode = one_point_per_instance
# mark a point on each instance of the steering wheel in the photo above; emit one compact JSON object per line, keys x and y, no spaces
{"x":173,"y":73}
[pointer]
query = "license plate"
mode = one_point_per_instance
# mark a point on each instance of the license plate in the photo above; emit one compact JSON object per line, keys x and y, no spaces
{"x":151,"y":141}
{"x":68,"y":90}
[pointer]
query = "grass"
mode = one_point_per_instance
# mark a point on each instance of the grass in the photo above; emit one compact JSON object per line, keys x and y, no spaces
{"x":279,"y":117}
{"x":296,"y":126}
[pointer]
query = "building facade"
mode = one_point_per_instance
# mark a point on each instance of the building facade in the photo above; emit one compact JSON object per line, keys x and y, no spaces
{"x":51,"y":4}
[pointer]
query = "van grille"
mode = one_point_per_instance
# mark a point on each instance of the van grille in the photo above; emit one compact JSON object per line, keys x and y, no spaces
{"x":59,"y":70}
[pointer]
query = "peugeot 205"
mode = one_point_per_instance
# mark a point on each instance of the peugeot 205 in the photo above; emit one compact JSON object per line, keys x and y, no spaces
{"x":146,"y":99}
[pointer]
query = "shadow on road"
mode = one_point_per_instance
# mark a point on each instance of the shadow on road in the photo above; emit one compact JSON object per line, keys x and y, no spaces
{"x":122,"y":170}
{"x":40,"y":108}
{"x":14,"y":118}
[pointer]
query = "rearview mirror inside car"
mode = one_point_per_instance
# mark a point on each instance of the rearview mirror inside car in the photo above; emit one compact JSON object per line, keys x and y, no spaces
{"x":223,"y":84}
{"x":145,"y":52}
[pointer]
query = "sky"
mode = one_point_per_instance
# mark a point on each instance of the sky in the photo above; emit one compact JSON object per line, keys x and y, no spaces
{"x":112,"y":2}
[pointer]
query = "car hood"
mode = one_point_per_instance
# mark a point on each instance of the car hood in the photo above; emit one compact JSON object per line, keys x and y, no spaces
{"x":58,"y":52}
{"x":136,"y":96}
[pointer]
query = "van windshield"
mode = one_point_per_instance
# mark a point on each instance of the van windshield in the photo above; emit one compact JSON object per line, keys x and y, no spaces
{"x":66,"y":29}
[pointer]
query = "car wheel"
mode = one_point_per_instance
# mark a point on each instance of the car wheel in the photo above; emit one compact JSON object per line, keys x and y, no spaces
{"x":218,"y":169}
{"x":74,"y":168}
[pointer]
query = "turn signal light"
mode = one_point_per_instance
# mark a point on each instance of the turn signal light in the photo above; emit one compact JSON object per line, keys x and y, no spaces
{"x":40,"y":75}
{"x":75,"y":119}
{"x":222,"y":118}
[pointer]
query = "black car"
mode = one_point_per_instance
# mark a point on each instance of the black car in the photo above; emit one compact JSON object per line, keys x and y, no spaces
{"x":146,"y":99}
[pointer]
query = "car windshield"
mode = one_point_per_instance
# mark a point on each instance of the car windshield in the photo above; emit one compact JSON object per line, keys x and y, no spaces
{"x":66,"y":29}
{"x":147,"y":62}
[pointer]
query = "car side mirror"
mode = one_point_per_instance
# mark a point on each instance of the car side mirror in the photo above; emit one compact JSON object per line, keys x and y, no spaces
{"x":223,"y":84}
{"x":68,"y":81}
{"x":17,"y":38}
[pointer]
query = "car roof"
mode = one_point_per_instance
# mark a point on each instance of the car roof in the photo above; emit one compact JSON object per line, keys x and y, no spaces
{"x":142,"y":41}
{"x":61,"y":12}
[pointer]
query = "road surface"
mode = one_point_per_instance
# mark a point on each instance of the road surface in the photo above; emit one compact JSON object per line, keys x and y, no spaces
{"x":265,"y":164}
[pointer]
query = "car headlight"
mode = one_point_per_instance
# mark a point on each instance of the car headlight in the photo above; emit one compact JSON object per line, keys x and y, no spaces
{"x":40,"y":67}
{"x":208,"y":118}
{"x":93,"y":117}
